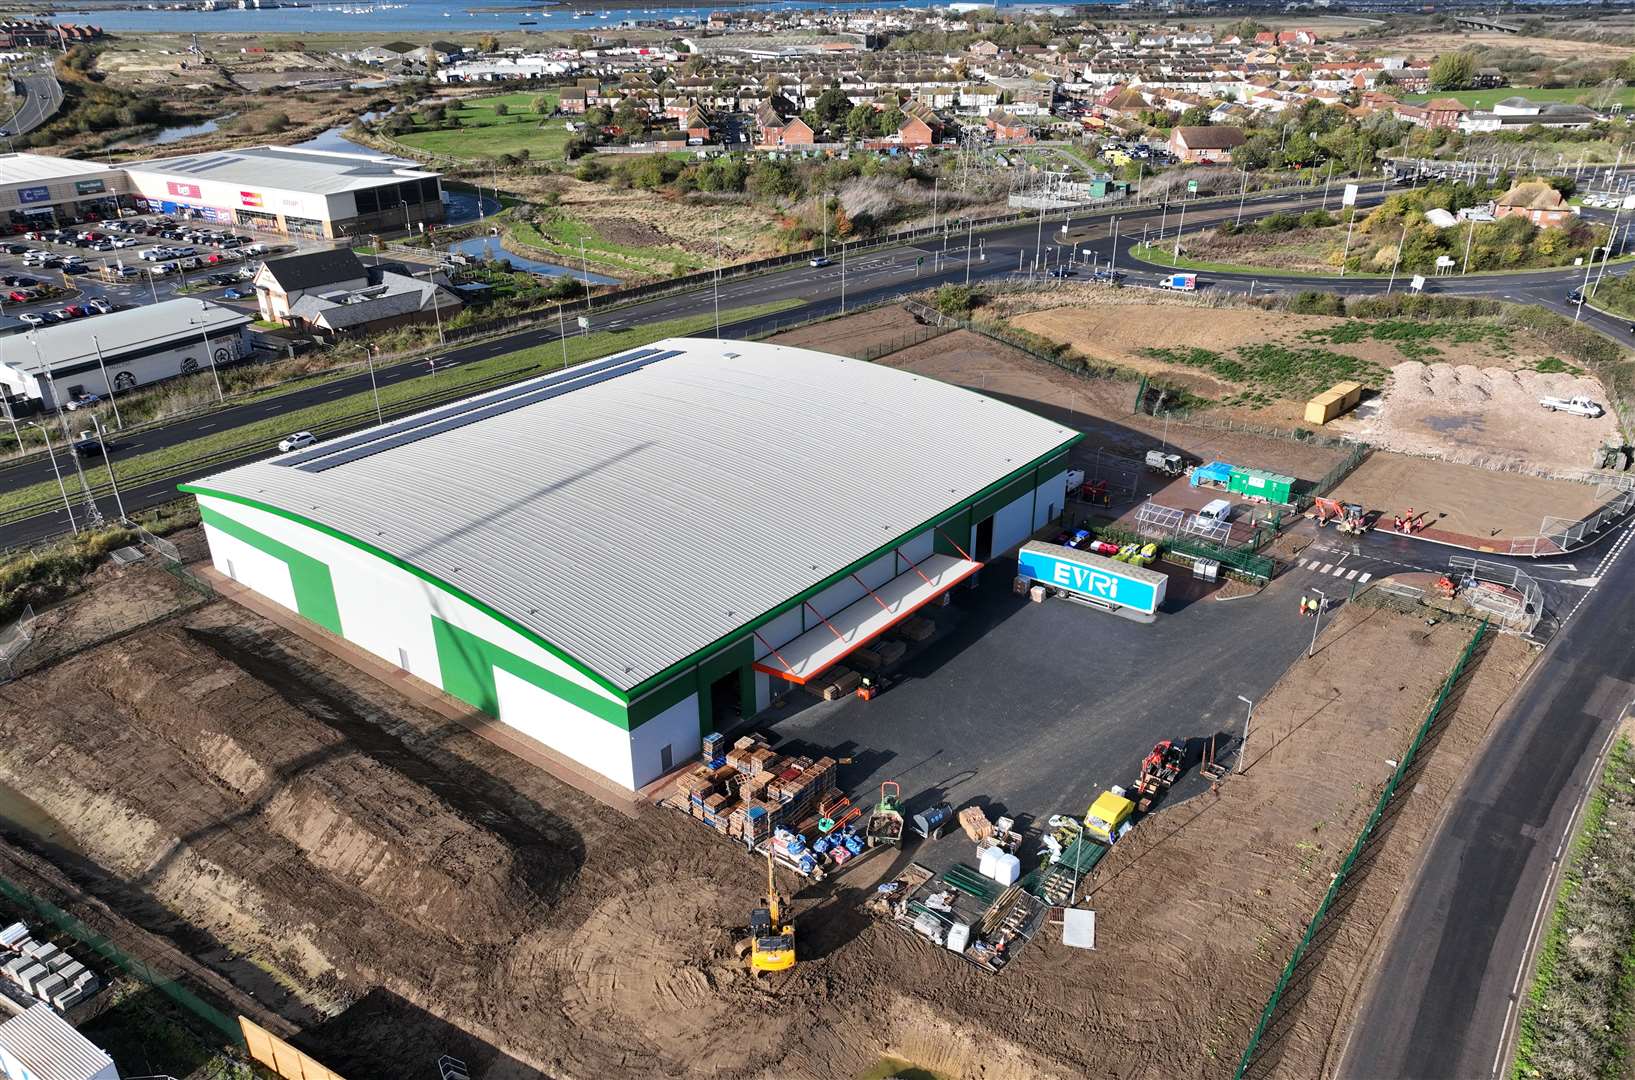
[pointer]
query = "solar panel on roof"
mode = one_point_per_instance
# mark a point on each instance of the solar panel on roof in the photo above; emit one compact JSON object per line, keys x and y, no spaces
{"x":498,"y":408}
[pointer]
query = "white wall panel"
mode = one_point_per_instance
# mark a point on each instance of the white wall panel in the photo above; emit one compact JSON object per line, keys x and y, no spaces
{"x":1013,"y":523}
{"x":1052,"y":493}
{"x":251,"y":567}
{"x":676,"y":727}
{"x":587,"y":739}
{"x":919,"y":548}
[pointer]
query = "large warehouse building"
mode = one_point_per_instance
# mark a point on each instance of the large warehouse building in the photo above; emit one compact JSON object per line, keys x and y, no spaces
{"x":618,"y":558}
{"x":276,"y":189}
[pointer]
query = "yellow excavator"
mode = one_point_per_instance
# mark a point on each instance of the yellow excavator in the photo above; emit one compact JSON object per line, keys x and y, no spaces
{"x":771,"y":945}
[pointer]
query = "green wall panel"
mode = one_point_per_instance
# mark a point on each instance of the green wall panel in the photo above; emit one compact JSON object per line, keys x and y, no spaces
{"x":467,"y":663}
{"x":314,"y":587}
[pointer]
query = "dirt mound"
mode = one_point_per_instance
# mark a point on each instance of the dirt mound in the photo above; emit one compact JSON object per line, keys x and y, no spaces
{"x":1487,"y":416}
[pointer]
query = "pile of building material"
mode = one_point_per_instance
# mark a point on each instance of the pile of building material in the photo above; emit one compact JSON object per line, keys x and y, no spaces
{"x":751,"y":790}
{"x":44,"y":971}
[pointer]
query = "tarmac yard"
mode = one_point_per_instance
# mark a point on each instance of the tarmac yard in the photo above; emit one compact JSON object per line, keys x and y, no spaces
{"x":395,"y":887}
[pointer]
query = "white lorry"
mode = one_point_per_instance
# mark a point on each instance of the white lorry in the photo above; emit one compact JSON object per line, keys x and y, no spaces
{"x":1578,"y":406}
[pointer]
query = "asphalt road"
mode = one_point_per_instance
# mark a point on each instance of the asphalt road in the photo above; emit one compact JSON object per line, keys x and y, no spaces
{"x":848,"y":282}
{"x":1439,"y":1003}
{"x":42,"y":97}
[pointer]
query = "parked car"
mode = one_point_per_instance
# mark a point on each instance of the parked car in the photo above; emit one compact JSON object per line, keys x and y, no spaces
{"x":99,"y":304}
{"x":1578,"y":406}
{"x":32,"y":319}
{"x":234,"y":294}
{"x":224,"y":279}
{"x":300,"y":440}
{"x":17,"y":296}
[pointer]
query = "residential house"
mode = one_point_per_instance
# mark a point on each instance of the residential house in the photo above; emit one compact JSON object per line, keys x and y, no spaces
{"x":1193,"y":145}
{"x":1006,"y":128}
{"x":391,"y":297}
{"x":921,"y":125}
{"x":571,"y":99}
{"x":281,"y":282}
{"x":1445,"y":113}
{"x":1536,"y":201}
{"x":777,"y":124}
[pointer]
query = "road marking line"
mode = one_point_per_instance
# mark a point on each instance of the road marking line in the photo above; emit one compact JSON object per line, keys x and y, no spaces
{"x":1363,"y":580}
{"x":1302,"y":563}
{"x":1326,"y":568}
{"x":1351,"y":576}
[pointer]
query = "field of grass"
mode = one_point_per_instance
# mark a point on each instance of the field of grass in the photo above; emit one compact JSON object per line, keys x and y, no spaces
{"x":1164,"y":255}
{"x":1270,"y":370}
{"x":560,"y":239}
{"x":1577,"y":1018}
{"x":483,"y":133}
{"x":398,"y":397}
{"x":1486,"y":99}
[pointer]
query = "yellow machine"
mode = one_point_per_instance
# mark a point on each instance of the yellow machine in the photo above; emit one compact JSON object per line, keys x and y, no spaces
{"x":771,"y":945}
{"x":1107,"y":814}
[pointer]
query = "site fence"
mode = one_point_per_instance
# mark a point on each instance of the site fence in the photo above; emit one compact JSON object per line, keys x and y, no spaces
{"x":1392,"y":785}
{"x":1557,"y":536}
{"x":1516,"y":605}
{"x":1244,"y":562}
{"x":98,"y":945}
{"x":14,"y":641}
{"x":1331,"y":479}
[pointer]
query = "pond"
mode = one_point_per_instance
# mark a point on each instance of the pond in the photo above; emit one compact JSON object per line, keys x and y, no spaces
{"x":479,"y":247}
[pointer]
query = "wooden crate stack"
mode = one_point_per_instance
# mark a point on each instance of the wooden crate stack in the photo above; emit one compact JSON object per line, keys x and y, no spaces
{"x":756,"y":791}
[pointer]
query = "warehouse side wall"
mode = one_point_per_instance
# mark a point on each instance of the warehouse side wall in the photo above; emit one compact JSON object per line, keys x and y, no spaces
{"x":408,"y":621}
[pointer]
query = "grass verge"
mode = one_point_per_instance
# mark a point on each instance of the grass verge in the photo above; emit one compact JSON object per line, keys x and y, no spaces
{"x":1577,"y":1018}
{"x":398,"y":397}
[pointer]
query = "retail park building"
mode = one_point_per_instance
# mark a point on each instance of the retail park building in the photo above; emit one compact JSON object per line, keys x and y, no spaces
{"x":274,"y":189}
{"x":616,"y":559}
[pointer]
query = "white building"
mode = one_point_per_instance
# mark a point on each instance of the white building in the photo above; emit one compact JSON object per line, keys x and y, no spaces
{"x":120,"y":351}
{"x":36,"y":190}
{"x":614,"y":559}
{"x":293,"y":191}
{"x":37,"y":1044}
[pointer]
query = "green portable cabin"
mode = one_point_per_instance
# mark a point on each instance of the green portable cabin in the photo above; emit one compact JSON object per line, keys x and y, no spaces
{"x":1260,"y":484}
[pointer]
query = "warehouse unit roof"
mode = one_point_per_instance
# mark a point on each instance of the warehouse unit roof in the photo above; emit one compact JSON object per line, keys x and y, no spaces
{"x":32,"y":168}
{"x":317,"y":172}
{"x":47,"y":1046}
{"x":117,"y":333}
{"x":636,"y":510}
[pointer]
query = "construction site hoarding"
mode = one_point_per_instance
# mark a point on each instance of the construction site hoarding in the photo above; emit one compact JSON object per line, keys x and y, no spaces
{"x":279,"y":1056}
{"x":1093,"y":576}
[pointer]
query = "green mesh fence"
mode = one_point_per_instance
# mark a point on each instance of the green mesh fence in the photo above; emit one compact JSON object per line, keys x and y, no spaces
{"x":1329,"y":897}
{"x":99,"y":946}
{"x":1243,"y":560}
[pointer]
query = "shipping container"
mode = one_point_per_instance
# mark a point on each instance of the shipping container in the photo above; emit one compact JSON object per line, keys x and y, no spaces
{"x":1095,"y":577}
{"x":1260,"y":484}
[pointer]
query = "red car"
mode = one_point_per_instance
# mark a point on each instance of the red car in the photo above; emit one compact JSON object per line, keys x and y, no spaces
{"x":17,"y":297}
{"x":75,"y":310}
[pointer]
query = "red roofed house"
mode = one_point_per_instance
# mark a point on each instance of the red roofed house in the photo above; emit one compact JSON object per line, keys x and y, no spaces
{"x":920,"y":127}
{"x":1536,"y":201}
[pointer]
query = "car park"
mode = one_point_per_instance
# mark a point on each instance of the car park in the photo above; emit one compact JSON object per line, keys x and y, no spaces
{"x":297,"y":441}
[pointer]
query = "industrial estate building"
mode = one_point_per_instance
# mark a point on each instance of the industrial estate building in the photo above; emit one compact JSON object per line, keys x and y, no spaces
{"x":618,"y":558}
{"x":119,"y":351}
{"x":275,"y":189}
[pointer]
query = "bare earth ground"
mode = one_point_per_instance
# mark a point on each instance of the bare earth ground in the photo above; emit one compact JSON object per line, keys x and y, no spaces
{"x":856,"y":335}
{"x":1463,"y":499}
{"x":1485,"y":416}
{"x":1475,"y":404}
{"x":1431,"y":43}
{"x":238,"y":790}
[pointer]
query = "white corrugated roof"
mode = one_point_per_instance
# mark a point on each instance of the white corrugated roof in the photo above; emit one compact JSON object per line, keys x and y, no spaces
{"x":27,"y":168}
{"x":63,"y":344}
{"x":49,"y":1047}
{"x":638,"y":519}
{"x":287,"y":168}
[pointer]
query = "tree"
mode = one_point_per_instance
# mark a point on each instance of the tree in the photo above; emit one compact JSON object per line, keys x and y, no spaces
{"x":832,"y":105}
{"x":501,"y":108}
{"x":1453,"y":71}
{"x":488,"y":43}
{"x":860,"y":121}
{"x":542,"y":105}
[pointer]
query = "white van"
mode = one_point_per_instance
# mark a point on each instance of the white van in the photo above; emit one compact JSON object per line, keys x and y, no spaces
{"x":1216,"y":510}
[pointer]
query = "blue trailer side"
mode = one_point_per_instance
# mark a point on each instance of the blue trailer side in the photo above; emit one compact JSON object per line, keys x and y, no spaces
{"x":1092,"y":576}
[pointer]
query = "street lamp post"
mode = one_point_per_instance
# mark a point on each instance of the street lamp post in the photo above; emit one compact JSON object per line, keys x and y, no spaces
{"x":1178,"y":229}
{"x":1403,"y":239}
{"x":1583,"y":292}
{"x":406,"y":227}
{"x":716,"y":284}
{"x":584,"y":268}
{"x":1242,"y":193}
{"x":970,"y":242}
{"x":369,"y":358}
{"x":209,"y":356}
{"x":1317,"y":621}
{"x":436,"y":304}
{"x":1470,"y":234}
{"x":1345,"y":252}
{"x":1243,"y":747}
{"x":113,"y":399}
{"x":108,"y":460}
{"x":61,"y":487}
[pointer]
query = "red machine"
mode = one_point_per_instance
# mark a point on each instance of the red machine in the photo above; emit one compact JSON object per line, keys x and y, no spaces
{"x":1159,"y":770}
